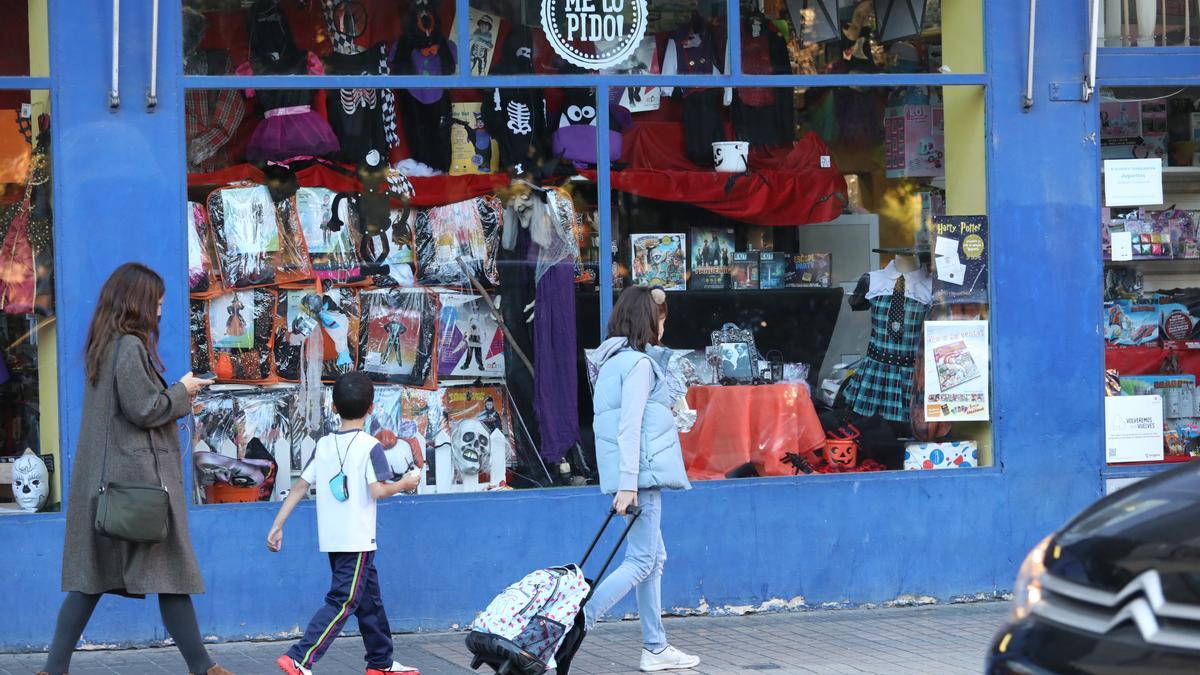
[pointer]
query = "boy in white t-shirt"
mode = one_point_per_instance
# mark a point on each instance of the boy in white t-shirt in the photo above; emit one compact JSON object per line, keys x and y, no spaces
{"x":349,"y":471}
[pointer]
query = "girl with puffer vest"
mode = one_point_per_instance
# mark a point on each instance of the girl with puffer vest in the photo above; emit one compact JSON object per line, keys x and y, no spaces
{"x":638,"y":455}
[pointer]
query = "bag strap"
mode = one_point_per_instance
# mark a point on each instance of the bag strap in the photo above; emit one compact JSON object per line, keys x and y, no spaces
{"x":115,"y":408}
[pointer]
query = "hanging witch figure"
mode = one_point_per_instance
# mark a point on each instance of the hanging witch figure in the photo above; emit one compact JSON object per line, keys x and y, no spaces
{"x":235,"y":325}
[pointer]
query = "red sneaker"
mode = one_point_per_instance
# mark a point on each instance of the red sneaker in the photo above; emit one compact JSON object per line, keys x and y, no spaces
{"x":291,"y":666}
{"x":396,"y":668}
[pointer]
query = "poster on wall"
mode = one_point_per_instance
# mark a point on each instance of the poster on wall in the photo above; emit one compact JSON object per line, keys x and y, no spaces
{"x":957,"y":360}
{"x":960,"y":259}
{"x":660,"y":260}
{"x":470,"y":342}
{"x":472,"y":150}
{"x":643,"y":60}
{"x":1133,"y":429}
{"x":485,"y":28}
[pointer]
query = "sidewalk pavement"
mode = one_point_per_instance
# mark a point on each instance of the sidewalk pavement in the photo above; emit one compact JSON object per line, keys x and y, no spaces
{"x":938,"y":639}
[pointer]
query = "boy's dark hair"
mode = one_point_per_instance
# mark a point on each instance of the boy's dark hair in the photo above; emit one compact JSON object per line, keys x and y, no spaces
{"x":353,"y":394}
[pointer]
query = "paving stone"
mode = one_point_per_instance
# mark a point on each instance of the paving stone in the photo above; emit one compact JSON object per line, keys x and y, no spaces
{"x":880,"y":641}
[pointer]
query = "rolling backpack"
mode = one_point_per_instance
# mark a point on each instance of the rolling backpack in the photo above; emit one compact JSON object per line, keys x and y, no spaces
{"x":537,"y":623}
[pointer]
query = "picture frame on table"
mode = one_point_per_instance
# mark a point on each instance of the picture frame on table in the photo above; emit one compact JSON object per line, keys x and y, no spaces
{"x":737,"y":365}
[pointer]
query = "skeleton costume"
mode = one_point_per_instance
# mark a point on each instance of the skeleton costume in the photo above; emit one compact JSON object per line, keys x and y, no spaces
{"x":538,"y":258}
{"x":516,"y":118}
{"x":357,"y":115}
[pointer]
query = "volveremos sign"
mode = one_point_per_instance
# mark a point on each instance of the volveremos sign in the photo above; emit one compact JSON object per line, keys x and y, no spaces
{"x":609,"y":29}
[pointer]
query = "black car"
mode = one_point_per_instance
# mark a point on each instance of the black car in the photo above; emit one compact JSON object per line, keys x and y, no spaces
{"x":1116,"y":591}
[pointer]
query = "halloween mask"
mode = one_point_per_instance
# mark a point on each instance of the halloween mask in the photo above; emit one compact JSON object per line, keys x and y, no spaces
{"x":471,"y":446}
{"x":31,"y":482}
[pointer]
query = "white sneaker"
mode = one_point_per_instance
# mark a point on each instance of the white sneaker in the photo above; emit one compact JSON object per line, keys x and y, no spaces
{"x":668,"y":659}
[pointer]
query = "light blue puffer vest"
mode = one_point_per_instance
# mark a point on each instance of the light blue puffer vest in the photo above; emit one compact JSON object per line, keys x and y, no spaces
{"x":661,"y":464}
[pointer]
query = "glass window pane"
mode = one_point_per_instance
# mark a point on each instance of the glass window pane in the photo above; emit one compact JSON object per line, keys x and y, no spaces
{"x":612,"y":36}
{"x":811,"y":37}
{"x":1151,"y":285}
{"x":445,"y":286}
{"x":30,"y":461}
{"x":337,"y":37}
{"x":796,"y":238}
{"x":1148,"y":23}
{"x":26,"y":41}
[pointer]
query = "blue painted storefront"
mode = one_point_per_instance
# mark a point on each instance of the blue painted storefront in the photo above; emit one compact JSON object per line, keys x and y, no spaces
{"x":852,"y":539}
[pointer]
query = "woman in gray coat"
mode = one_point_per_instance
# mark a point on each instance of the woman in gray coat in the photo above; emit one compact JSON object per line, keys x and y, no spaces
{"x":129,"y":407}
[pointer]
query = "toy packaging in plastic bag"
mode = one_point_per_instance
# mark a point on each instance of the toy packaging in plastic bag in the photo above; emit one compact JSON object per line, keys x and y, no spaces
{"x":202,"y":279}
{"x":1177,"y":322}
{"x":481,"y":433}
{"x":400,"y":421}
{"x":468,"y":229}
{"x":334,"y":255}
{"x":241,"y":451}
{"x":1130,"y":324}
{"x":470,"y":342}
{"x":335,"y":313}
{"x":257,"y":244}
{"x":398,"y":336}
{"x":241,"y":333}
{"x":198,"y":327}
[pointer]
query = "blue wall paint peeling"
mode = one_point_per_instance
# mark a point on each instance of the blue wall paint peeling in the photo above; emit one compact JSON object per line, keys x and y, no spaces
{"x":826,"y":539}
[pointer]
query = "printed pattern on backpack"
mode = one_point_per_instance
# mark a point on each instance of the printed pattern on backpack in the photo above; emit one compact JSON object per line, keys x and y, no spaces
{"x":535,"y":611}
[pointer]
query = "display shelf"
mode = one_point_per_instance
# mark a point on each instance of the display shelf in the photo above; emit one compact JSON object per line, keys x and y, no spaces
{"x":1158,"y":266}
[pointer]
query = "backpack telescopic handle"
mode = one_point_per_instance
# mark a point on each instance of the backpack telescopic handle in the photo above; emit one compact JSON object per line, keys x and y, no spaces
{"x":634,"y":511}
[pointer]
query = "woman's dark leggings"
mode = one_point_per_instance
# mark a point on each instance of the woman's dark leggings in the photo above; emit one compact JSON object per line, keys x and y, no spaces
{"x":178,"y":616}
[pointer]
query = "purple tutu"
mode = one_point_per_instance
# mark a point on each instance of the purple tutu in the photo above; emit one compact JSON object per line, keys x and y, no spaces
{"x":288,"y":132}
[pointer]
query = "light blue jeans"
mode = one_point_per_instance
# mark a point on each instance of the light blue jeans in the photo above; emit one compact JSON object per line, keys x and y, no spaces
{"x":642,"y":569}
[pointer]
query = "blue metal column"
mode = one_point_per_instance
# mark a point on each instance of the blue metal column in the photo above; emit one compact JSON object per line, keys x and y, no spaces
{"x":1043,"y":187}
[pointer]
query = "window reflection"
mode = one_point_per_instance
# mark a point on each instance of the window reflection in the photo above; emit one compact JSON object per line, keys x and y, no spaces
{"x":29,"y":457}
{"x":455,"y":265}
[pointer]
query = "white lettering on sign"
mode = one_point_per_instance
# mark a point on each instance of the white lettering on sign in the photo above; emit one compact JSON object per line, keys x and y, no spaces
{"x":594,"y":34}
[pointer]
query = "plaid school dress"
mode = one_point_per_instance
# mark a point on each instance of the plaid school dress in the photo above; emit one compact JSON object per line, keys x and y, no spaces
{"x":883,"y":383}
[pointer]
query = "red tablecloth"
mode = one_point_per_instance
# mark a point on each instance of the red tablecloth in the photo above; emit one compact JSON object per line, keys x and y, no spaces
{"x":759,"y":424}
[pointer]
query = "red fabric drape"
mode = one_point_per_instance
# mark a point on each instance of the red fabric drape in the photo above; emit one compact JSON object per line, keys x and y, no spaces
{"x":1151,"y":360}
{"x":430,"y":191}
{"x":786,"y":186}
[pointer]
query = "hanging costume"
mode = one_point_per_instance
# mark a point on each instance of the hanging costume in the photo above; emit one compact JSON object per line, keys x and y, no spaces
{"x":424,"y":50}
{"x":516,"y":118}
{"x":290,"y":127}
{"x":764,"y":115}
{"x":538,"y":262}
{"x":898,"y":303}
{"x":342,"y":33}
{"x":691,"y":51}
{"x":357,"y":115}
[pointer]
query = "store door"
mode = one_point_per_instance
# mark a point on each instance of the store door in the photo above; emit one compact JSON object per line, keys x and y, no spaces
{"x":119,"y":180}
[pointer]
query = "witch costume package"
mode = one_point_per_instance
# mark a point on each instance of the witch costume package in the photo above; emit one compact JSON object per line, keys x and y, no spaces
{"x":241,"y":334}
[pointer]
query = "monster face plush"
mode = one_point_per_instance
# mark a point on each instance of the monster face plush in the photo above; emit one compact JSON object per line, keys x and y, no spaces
{"x":575,"y":139}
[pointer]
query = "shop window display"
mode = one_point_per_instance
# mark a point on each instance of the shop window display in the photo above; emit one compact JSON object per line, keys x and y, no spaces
{"x":1151,"y":289}
{"x":819,"y":318}
{"x":837,"y":325}
{"x":465,"y":294}
{"x":29,"y":458}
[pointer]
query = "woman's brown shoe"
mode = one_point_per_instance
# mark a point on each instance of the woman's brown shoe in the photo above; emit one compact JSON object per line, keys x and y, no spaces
{"x":215,"y":670}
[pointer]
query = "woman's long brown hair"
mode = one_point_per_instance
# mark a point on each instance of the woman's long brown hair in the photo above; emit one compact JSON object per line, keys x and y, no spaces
{"x":636,"y":315}
{"x":128,"y":305}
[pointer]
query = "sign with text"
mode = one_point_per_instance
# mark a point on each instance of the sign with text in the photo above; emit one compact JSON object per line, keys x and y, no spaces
{"x":1133,"y":182}
{"x":957,"y":365}
{"x":960,"y":259}
{"x":594,"y":34}
{"x":1133,"y":429}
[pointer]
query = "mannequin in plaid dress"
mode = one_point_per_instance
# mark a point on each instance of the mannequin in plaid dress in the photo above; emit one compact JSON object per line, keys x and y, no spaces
{"x":898,"y":296}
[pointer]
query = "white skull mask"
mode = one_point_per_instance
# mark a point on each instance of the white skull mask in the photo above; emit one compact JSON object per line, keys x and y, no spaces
{"x":471,"y":445}
{"x":31,"y":482}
